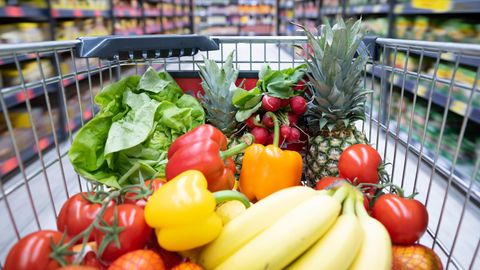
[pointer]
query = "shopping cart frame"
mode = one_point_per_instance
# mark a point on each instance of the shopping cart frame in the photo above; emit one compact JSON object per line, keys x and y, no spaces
{"x":182,"y":60}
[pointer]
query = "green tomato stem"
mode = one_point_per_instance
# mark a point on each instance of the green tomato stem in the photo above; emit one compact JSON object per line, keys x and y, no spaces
{"x":230,"y":195}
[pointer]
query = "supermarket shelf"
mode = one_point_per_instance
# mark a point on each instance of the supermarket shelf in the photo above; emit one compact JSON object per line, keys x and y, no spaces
{"x":330,"y":10}
{"x":285,"y":19}
{"x":130,"y":32}
{"x":466,"y":60}
{"x":127,"y":12}
{"x":152,"y":13}
{"x":204,"y":14}
{"x":78,"y":13}
{"x":45,"y":142}
{"x":76,"y":122}
{"x":456,"y":106}
{"x":227,"y":3}
{"x":458,"y":6}
{"x":368,"y":9}
{"x":289,"y":5}
{"x":11,"y":164}
{"x":153,"y":29}
{"x":20,"y":96}
{"x":21,"y":12}
{"x":461,"y":176}
{"x":309,"y":17}
{"x":23,"y":57}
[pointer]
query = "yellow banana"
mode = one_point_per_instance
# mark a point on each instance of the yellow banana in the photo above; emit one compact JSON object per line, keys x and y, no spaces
{"x":337,"y":248}
{"x":287,"y":238}
{"x":376,"y":250}
{"x":250,"y":223}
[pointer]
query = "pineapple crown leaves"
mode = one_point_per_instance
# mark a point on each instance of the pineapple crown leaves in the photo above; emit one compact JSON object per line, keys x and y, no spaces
{"x":218,"y":83}
{"x":335,"y":74}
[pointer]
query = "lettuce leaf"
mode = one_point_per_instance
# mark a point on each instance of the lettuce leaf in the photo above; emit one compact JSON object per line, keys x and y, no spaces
{"x":129,"y":138}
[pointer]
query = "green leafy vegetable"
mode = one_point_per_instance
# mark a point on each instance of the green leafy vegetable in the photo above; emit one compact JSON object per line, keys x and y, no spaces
{"x":279,"y":83}
{"x":129,"y":138}
{"x":243,"y":115}
{"x":244,"y":99}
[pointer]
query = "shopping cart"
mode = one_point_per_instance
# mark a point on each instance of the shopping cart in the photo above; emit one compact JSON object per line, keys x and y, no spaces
{"x":36,"y":176}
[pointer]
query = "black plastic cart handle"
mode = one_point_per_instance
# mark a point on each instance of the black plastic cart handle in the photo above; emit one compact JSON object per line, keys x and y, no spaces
{"x":144,"y":47}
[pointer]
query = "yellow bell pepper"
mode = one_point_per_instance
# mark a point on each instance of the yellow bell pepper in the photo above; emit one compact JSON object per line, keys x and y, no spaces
{"x":182,"y":212}
{"x":267,"y":169}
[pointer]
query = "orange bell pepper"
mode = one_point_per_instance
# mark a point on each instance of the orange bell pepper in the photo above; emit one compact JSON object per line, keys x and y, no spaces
{"x":266,"y":169}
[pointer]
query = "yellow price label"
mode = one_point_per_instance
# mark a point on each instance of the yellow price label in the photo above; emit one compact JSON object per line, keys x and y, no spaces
{"x":399,"y":8}
{"x":437,"y":5}
{"x":458,"y":107}
{"x":448,"y":56}
{"x":422,"y":91}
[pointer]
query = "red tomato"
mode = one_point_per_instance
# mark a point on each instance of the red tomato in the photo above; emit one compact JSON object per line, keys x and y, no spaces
{"x":77,"y":214}
{"x":90,"y":259}
{"x":153,"y":184}
{"x":138,"y":259}
{"x":359,"y":163}
{"x":328,"y":182}
{"x":170,"y":258}
{"x":78,"y":267}
{"x":135,"y":233}
{"x":32,"y":252}
{"x":416,"y":257}
{"x":405,"y":219}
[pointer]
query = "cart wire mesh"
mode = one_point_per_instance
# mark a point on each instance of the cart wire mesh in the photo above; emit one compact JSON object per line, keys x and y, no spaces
{"x":421,"y":116}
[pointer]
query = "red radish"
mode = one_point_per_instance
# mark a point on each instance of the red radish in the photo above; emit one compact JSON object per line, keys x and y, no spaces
{"x":260,"y":134}
{"x":267,"y":121}
{"x":250,"y":123}
{"x":270,"y":139}
{"x":294,"y":135}
{"x":285,"y":102}
{"x":292,"y":118}
{"x":271,"y":104}
{"x":298,"y":105}
{"x":285,"y":132}
{"x":300,"y":86}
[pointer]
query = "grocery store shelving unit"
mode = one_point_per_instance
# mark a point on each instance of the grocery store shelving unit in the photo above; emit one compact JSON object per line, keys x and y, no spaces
{"x":232,"y":17}
{"x":151,"y":16}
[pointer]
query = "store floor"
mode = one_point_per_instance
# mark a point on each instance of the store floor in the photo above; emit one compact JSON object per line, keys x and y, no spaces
{"x":62,"y":179}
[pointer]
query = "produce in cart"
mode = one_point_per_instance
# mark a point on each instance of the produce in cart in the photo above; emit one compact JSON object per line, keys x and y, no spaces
{"x":218,"y":84}
{"x":308,"y":232}
{"x":338,"y":100}
{"x":129,"y":138}
{"x":276,"y":92}
{"x":267,"y":169}
{"x":416,"y":257}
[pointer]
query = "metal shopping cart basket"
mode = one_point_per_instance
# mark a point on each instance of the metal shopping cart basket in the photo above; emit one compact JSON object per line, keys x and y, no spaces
{"x":420,"y":116}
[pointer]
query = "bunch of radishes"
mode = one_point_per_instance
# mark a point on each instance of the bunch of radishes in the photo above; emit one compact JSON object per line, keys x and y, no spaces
{"x":287,"y":111}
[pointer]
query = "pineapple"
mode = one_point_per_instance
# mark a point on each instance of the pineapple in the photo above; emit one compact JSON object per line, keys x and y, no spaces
{"x":218,"y":83}
{"x":219,"y":86}
{"x":338,"y":100}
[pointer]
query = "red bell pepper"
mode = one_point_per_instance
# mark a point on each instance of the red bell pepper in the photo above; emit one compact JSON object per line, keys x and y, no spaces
{"x":204,"y":148}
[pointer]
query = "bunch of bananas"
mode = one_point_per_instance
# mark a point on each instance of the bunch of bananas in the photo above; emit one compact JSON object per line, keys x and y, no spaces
{"x":300,"y":228}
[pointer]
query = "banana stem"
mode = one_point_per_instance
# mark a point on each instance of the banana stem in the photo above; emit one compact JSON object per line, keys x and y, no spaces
{"x":342,"y":193}
{"x":349,"y":206}
{"x":326,"y":192}
{"x":359,"y":208}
